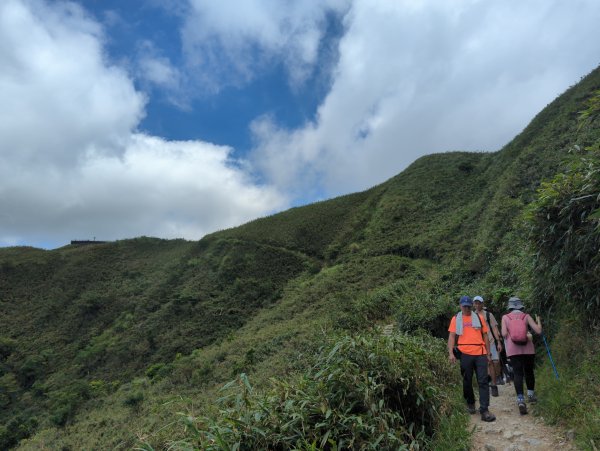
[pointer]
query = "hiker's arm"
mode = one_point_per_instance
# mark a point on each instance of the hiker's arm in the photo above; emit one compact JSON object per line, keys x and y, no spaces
{"x":536,"y":326}
{"x":487,"y":341}
{"x":451,"y":339}
{"x":504,"y":329}
{"x":498,"y":343}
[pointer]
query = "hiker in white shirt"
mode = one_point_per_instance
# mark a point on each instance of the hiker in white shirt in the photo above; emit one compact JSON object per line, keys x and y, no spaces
{"x":495,"y":343}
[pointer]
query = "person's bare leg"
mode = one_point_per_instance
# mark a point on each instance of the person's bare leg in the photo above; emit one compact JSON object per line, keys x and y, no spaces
{"x":492,"y":372}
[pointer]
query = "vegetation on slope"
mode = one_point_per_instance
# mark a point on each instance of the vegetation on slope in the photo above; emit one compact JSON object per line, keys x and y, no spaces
{"x":101,"y":346}
{"x":364,"y":392}
{"x":564,"y":226}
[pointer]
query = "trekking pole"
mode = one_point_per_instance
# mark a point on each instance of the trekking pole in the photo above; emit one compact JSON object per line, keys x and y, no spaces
{"x":550,"y":356}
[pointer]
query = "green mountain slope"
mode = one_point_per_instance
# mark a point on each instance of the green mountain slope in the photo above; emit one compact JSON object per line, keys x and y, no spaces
{"x":100,"y":344}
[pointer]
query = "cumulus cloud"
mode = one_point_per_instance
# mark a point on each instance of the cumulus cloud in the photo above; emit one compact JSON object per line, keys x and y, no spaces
{"x":415,"y":78}
{"x":58,"y":94}
{"x":72,"y":165}
{"x":160,"y":188}
{"x":229,"y":45}
{"x":407,"y":78}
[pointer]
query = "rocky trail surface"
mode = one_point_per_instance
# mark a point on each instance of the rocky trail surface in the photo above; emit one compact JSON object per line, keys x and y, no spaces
{"x":514,"y":432}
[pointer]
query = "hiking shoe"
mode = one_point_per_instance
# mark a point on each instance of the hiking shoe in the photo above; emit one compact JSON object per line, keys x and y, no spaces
{"x":487,"y":416}
{"x":532,"y":398}
{"x":471,"y":408}
{"x":494,"y":389}
{"x":522,"y":408}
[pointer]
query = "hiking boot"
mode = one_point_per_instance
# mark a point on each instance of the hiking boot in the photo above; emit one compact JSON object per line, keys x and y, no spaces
{"x":471,"y":408}
{"x":532,"y":398}
{"x":494,"y":389}
{"x":522,"y":408}
{"x":500,"y":381}
{"x":487,"y":416}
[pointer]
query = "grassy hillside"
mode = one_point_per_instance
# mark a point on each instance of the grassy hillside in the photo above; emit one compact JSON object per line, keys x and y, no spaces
{"x":102,"y":345}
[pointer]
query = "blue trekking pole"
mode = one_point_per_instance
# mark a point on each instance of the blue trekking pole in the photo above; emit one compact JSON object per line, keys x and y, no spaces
{"x":550,"y":356}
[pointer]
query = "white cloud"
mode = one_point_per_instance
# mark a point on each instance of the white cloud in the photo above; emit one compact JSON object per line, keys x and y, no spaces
{"x":409,"y":78}
{"x":415,"y":78}
{"x":156,"y":70}
{"x":159,"y":71}
{"x":58,"y":94}
{"x":160,"y":188}
{"x":72,"y":165}
{"x":230,"y":43}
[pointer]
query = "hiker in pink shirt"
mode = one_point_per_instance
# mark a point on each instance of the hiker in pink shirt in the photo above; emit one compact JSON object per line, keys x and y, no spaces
{"x":520,"y":350}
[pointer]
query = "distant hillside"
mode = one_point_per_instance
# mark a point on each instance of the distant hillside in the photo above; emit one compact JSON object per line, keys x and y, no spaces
{"x":101,"y":345}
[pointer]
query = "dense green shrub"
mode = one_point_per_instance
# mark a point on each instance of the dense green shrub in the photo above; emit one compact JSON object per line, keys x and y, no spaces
{"x":564,"y":224}
{"x":32,"y":368}
{"x":7,"y":346}
{"x":362,"y":392}
{"x":158,"y":371}
{"x":16,"y":429}
{"x":9,"y":386}
{"x":428,"y":308}
{"x":565,"y":230}
{"x":134,"y":399}
{"x":561,"y":401}
{"x":370,"y":308}
{"x":64,"y":402}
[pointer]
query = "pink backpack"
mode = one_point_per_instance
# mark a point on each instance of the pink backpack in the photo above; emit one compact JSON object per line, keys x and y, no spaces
{"x":517,"y":327}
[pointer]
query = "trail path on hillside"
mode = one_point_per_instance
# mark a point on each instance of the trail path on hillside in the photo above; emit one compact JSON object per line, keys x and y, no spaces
{"x":511,"y":431}
{"x":514,"y":432}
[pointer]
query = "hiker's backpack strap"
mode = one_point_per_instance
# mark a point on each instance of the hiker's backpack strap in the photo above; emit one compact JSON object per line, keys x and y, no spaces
{"x":487,"y":318}
{"x":469,"y":344}
{"x":455,"y":334}
{"x":482,"y":336}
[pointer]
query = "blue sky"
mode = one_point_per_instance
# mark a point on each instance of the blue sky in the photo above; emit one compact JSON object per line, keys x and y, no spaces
{"x":194,"y":113}
{"x":176,"y":118}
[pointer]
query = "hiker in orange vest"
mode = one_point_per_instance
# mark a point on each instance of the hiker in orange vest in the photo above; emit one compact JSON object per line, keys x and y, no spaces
{"x":473,"y":350}
{"x":519,"y":349}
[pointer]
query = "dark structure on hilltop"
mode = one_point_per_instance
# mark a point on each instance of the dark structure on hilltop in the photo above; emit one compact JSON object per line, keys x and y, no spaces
{"x":84,"y":242}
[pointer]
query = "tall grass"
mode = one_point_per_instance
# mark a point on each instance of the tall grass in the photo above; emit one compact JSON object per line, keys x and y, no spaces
{"x":363,"y":392}
{"x":573,"y":401}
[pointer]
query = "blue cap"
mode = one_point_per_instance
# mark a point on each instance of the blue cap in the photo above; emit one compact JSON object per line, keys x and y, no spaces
{"x":466,"y":301}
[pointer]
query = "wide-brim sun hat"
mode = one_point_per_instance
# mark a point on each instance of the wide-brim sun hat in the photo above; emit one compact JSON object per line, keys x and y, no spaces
{"x":514,"y":303}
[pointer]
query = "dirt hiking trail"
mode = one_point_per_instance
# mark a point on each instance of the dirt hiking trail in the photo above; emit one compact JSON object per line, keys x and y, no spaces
{"x":514,"y":432}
